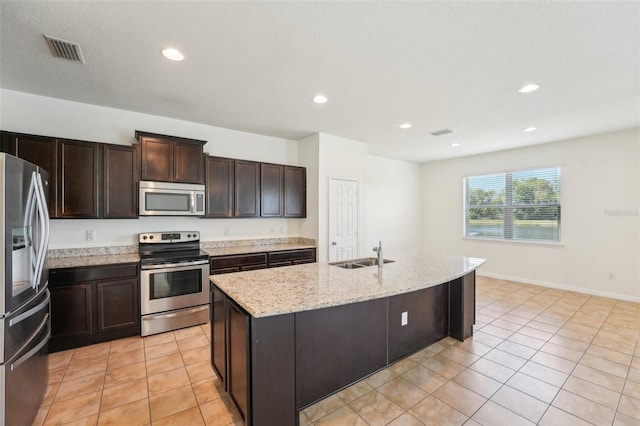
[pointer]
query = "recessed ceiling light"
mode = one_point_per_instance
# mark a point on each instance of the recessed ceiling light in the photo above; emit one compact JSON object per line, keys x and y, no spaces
{"x":320,"y":99}
{"x":530,"y":129}
{"x":173,"y":54}
{"x":531,"y":87}
{"x":406,"y":126}
{"x":455,"y":145}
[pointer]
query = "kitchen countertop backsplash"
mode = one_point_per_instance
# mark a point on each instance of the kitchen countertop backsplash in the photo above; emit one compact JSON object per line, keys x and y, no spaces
{"x":93,"y":256}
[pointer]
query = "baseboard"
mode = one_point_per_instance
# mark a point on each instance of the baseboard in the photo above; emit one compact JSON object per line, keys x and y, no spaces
{"x":562,"y":287}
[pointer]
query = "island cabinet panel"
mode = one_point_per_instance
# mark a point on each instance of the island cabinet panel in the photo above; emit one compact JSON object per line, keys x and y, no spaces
{"x":273,"y":372}
{"x":219,"y":175}
{"x":93,"y":304}
{"x":120,"y":182}
{"x":218,"y":334}
{"x":427,"y":315}
{"x":462,"y":294}
{"x":271,"y":194}
{"x":337,"y":346}
{"x":247,"y":189}
{"x":238,"y":358}
{"x":295,"y":191}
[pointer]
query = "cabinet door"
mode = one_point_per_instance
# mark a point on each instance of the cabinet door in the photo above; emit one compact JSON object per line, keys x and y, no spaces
{"x":295,"y":191}
{"x":218,"y":335}
{"x":187,"y":162}
{"x":40,"y":151}
{"x":271,"y":181}
{"x":247,"y":189}
{"x":71,"y":311}
{"x":238,"y":341}
{"x":118,"y":305}
{"x":78,"y":182}
{"x":120,"y":179}
{"x":219,"y":186}
{"x":462,"y":294}
{"x":157,"y":159}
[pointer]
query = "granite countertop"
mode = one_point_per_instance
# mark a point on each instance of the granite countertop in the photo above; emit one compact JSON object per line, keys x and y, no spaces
{"x":288,"y":289}
{"x":223,"y":251}
{"x":95,"y":256}
{"x":91,"y":260}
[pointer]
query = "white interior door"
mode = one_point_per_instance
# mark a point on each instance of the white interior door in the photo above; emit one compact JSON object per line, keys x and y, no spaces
{"x":343,"y":219}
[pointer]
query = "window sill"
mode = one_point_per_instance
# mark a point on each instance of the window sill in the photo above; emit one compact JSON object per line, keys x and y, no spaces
{"x":517,"y":242}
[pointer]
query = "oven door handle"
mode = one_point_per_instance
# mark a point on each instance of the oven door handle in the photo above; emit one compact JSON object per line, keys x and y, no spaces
{"x":175,"y":265}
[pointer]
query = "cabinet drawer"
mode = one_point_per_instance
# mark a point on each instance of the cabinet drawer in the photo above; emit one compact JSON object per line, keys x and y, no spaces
{"x":218,"y":262}
{"x":67,"y":275}
{"x":292,"y":255}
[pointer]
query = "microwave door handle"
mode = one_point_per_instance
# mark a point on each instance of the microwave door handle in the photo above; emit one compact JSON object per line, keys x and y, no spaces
{"x":43,"y":215}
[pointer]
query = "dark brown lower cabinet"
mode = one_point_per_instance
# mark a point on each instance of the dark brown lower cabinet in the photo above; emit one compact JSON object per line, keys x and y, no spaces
{"x":462,"y":293}
{"x":93,"y":304}
{"x":249,"y":262}
{"x":275,"y":366}
{"x":427,"y":320}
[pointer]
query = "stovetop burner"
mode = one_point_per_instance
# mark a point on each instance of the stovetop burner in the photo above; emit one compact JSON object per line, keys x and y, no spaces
{"x":158,"y":248}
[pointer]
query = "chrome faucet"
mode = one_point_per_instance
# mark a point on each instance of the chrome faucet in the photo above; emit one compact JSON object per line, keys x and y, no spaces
{"x":379,"y":251}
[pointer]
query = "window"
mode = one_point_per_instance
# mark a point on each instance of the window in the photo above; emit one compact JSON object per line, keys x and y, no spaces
{"x":522,"y":205}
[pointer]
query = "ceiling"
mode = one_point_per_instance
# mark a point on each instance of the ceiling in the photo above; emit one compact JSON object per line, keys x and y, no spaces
{"x":255,"y":66}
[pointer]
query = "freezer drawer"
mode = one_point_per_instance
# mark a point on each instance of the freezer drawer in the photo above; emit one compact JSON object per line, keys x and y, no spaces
{"x":23,"y":380}
{"x":23,"y":324}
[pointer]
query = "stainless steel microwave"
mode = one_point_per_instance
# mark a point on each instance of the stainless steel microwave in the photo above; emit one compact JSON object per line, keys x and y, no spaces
{"x":171,"y":199}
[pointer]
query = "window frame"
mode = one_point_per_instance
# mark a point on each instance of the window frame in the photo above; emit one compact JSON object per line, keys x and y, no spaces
{"x":507,"y":209}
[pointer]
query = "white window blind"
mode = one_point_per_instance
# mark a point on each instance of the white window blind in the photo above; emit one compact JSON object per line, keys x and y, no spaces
{"x":520,"y":205}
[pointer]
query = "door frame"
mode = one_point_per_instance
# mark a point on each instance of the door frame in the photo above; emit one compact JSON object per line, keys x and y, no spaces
{"x":330,"y":206}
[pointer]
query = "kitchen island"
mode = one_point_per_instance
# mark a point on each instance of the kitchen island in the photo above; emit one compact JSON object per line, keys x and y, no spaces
{"x":282,"y":339}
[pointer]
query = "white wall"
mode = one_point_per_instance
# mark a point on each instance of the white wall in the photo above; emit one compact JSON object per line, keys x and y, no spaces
{"x":600,"y":174}
{"x":340,"y":158}
{"x":393,"y":205}
{"x":26,"y":113}
{"x":309,"y":157}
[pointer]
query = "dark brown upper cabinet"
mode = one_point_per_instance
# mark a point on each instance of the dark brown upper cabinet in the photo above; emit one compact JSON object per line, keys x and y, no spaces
{"x":41,"y":151}
{"x":120,"y":182}
{"x":170,"y":158}
{"x":78,"y":177}
{"x":295,"y":191}
{"x":219,"y":174}
{"x":86,"y":179}
{"x":271,"y":194}
{"x":247,"y":189}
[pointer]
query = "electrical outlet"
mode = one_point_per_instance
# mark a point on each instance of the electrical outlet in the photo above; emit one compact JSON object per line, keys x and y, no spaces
{"x":612,"y":276}
{"x":91,"y":235}
{"x":404,"y":318}
{"x":226,"y":231}
{"x":272,"y":229}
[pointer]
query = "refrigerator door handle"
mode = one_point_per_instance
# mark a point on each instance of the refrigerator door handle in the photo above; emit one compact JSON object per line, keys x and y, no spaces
{"x":30,"y":213}
{"x":30,"y":312}
{"x":35,"y":350}
{"x":43,"y":215}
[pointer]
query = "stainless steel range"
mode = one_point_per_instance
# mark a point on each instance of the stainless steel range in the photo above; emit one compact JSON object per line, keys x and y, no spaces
{"x":173,"y":278}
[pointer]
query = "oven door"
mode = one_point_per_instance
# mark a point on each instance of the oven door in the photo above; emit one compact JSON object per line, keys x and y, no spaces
{"x":173,"y":286}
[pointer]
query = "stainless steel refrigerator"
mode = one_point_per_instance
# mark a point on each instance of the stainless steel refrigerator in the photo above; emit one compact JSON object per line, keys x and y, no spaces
{"x":25,"y":326}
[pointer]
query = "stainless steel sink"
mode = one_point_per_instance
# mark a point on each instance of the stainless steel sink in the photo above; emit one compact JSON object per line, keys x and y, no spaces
{"x":359,"y":263}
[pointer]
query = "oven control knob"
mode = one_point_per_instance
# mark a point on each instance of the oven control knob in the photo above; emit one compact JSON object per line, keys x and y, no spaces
{"x":144,"y":237}
{"x":151,"y":237}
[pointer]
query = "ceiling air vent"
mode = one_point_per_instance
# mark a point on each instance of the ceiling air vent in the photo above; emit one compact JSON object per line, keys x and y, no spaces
{"x":64,"y":49}
{"x":442,"y":132}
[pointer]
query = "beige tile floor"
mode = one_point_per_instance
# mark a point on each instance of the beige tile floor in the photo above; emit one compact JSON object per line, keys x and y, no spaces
{"x":538,"y":356}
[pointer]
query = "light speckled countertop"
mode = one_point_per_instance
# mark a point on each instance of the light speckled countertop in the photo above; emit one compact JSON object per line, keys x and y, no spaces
{"x":95,"y":256}
{"x":222,"y":251}
{"x":277,"y":291}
